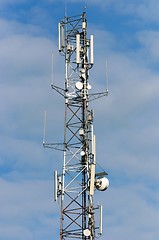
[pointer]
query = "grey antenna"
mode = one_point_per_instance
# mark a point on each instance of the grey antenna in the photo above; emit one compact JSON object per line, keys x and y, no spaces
{"x":107,"y":77}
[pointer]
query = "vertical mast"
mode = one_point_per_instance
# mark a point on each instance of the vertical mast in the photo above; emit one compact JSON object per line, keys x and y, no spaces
{"x":75,"y":185}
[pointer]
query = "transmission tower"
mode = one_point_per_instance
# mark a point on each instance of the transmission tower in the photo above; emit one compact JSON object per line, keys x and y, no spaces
{"x":74,"y":187}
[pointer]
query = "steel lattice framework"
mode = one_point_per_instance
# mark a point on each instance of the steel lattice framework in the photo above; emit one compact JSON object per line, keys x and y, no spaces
{"x":75,"y":185}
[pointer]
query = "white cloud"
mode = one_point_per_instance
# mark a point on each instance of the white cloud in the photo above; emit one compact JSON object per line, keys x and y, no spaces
{"x":148,"y":10}
{"x":25,"y":206}
{"x":131,"y":214}
{"x":149,"y":42}
{"x":26,"y":93}
{"x":144,"y":10}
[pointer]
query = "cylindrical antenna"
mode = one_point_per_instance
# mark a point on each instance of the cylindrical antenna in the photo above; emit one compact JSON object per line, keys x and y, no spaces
{"x":77,"y":48}
{"x":55,"y":185}
{"x":101,"y":219}
{"x":65,"y":8}
{"x":91,"y":50}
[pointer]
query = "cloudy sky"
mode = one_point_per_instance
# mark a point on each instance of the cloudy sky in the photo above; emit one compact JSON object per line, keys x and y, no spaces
{"x":126,"y":33}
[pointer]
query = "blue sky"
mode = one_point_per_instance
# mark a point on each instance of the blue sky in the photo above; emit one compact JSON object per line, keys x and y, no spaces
{"x":126,"y":33}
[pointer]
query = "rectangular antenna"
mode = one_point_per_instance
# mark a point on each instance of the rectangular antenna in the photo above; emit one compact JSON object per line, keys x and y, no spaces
{"x":52,"y":64}
{"x":91,"y":50}
{"x":92,"y":134}
{"x":101,"y":219}
{"x":59,"y":32}
{"x":106,"y":76}
{"x":61,"y":36}
{"x":94,"y":148}
{"x":92,"y":177}
{"x":55,"y":185}
{"x":44,"y":133}
{"x":77,"y":48}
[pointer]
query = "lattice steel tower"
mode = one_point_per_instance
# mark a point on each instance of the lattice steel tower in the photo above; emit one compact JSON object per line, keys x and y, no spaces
{"x":74,"y":187}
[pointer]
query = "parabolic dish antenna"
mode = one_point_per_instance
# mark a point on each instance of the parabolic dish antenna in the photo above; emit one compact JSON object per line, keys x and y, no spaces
{"x":79,"y":85}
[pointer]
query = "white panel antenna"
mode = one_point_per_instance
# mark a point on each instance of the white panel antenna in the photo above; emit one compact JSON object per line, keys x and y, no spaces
{"x":61,"y":34}
{"x":78,"y":48}
{"x":52,"y":69}
{"x":92,"y":178}
{"x":44,"y":132}
{"x":55,"y":185}
{"x":101,"y":220}
{"x":106,"y":77}
{"x":94,"y":148}
{"x":91,"y":50}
